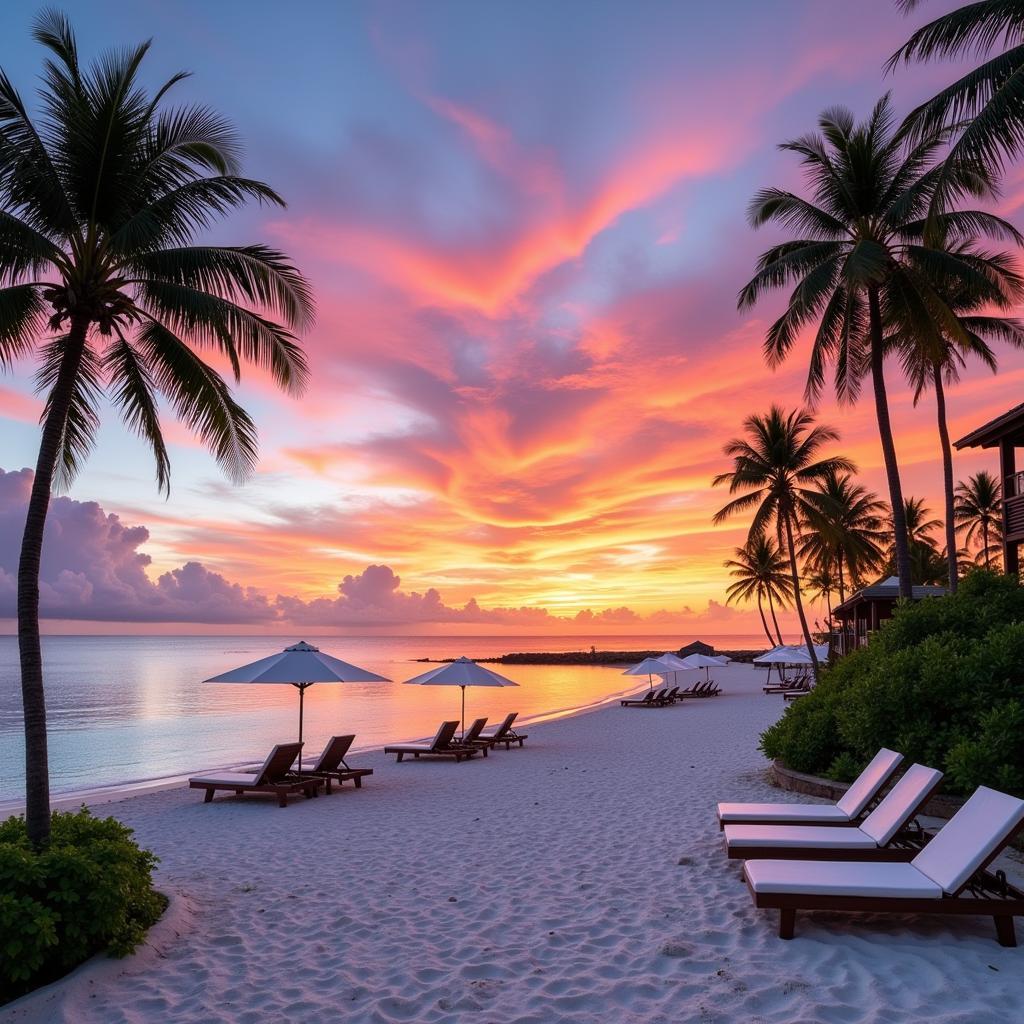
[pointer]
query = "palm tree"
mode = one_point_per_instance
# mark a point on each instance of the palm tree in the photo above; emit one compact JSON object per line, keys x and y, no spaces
{"x":935,"y":360}
{"x":988,"y":101}
{"x":928,"y":564}
{"x":821,"y":583}
{"x":979,"y":514}
{"x":778,"y":464}
{"x":101,"y":197}
{"x":845,"y":525}
{"x":861,"y":255}
{"x":760,"y":571}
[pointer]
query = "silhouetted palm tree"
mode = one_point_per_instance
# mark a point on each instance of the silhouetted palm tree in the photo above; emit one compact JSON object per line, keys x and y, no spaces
{"x":927,"y":562}
{"x":935,"y":359}
{"x":761,"y":571}
{"x":987,"y":103}
{"x":979,"y":514}
{"x":847,"y":525}
{"x":101,"y":198}
{"x":860,"y":255}
{"x":780,"y":467}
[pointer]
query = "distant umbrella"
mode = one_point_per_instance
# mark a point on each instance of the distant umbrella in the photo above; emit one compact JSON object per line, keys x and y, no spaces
{"x":461,"y":672}
{"x":300,"y":665}
{"x":704,"y":661}
{"x":649,"y":667}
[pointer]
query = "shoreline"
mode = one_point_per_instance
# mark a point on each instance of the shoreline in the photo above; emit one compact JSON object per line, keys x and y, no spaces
{"x":115,"y":792}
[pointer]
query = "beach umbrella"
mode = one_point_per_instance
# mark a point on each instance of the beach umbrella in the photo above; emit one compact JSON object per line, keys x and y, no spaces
{"x":649,"y":667}
{"x":461,"y":672}
{"x":704,"y":661}
{"x":300,"y":665}
{"x":674,"y":664}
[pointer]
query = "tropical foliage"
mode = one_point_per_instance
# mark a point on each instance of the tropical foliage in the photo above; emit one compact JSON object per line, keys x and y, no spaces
{"x":102,"y":197}
{"x":90,"y":890}
{"x":940,"y":682}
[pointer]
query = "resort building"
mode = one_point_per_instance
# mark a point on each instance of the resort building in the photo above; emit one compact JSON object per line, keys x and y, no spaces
{"x":1006,"y":433}
{"x":863,"y":612}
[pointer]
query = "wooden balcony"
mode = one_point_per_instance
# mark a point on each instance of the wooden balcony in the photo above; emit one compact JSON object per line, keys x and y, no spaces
{"x":1015,"y":517}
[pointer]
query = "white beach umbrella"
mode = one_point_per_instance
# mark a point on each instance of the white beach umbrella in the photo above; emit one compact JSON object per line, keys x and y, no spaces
{"x":461,"y":672}
{"x":704,"y":661}
{"x":781,"y":655}
{"x":300,"y":665}
{"x":674,"y":664}
{"x":649,"y":667}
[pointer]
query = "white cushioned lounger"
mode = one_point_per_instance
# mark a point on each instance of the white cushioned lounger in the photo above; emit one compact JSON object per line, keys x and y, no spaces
{"x":931,"y":883}
{"x":846,"y":811}
{"x":873,"y":835}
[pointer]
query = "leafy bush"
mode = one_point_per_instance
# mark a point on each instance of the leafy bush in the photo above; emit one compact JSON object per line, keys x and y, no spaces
{"x":88,"y":890}
{"x":943,"y":683}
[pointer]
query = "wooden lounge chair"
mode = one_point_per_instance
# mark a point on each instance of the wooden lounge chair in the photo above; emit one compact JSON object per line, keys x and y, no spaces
{"x":882,"y":836}
{"x":503,"y":734}
{"x":273,"y":777}
{"x":654,"y":699}
{"x":847,"y":811}
{"x":442,"y":745}
{"x":472,"y":737}
{"x":947,"y":877}
{"x":331,"y":765}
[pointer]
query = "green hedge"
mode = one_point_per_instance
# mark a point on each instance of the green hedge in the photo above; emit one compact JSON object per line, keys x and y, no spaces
{"x":943,"y":683}
{"x":90,"y":889}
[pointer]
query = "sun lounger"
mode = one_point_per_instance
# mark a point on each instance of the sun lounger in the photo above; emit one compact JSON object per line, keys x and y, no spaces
{"x":442,"y":745}
{"x":654,"y":699}
{"x":472,"y":737}
{"x":882,"y":836}
{"x":273,"y":777}
{"x":331,"y":765}
{"x":847,"y":811}
{"x":503,"y":734}
{"x":947,"y":877}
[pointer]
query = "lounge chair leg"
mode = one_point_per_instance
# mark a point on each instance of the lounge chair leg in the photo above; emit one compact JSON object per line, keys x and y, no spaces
{"x":359,"y":782}
{"x":282,"y":798}
{"x":399,"y":761}
{"x":787,"y":922}
{"x":208,"y":797}
{"x":1005,"y":931}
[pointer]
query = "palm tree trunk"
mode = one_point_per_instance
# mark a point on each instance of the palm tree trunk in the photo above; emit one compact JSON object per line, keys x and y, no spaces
{"x":892,"y":469}
{"x":796,"y":592}
{"x":947,"y":476}
{"x":37,"y":777}
{"x":984,"y":537}
{"x":764,"y":621}
{"x":842,"y":583}
{"x":775,"y":621}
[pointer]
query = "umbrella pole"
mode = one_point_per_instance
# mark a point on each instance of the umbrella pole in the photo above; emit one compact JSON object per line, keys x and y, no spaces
{"x":302,"y":698}
{"x":463,"y":689}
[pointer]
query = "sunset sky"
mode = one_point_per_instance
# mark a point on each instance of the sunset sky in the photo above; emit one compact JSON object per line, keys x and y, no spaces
{"x":525,"y":226}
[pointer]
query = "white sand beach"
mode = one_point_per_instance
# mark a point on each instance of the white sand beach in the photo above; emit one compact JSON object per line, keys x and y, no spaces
{"x":581,"y":879}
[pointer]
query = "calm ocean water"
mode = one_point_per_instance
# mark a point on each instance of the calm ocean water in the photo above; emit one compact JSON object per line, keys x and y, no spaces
{"x":126,"y":709}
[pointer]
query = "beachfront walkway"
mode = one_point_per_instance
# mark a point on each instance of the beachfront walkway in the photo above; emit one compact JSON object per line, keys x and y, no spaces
{"x":581,"y":879}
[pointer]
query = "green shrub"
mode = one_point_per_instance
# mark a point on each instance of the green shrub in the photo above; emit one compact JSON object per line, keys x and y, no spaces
{"x":943,"y":683}
{"x":90,"y":889}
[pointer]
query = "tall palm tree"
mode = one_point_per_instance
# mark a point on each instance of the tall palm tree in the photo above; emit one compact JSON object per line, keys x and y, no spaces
{"x":927,"y":563}
{"x":101,"y":198}
{"x":860,"y":255}
{"x":779,"y":466}
{"x":979,"y":514}
{"x":761,"y":571}
{"x":845,"y":525}
{"x":935,"y":360}
{"x":988,"y":101}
